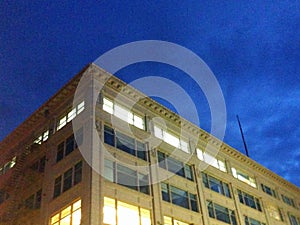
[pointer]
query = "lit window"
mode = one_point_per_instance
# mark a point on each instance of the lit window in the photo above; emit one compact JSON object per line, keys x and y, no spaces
{"x":43,"y":137}
{"x":108,"y":106}
{"x":209,"y":159}
{"x":126,"y":213}
{"x":243,"y":177}
{"x":8,"y":165}
{"x":171,"y":221}
{"x":123,"y":113}
{"x":71,"y":215}
{"x":171,"y":139}
{"x":70,"y":115}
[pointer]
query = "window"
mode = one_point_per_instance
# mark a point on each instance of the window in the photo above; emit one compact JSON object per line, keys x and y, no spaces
{"x":70,"y":115}
{"x":127,"y":177}
{"x":288,"y":200}
{"x":174,"y":166}
{"x":268,"y":190}
{"x":124,"y":143}
{"x":221,"y":213}
{"x":172,"y":221}
{"x":243,"y":177}
{"x":209,"y":159}
{"x":171,"y":139}
{"x":66,"y":147}
{"x":121,"y":213}
{"x":70,"y":178}
{"x":39,"y":165}
{"x":249,"y":200}
{"x":179,"y":197}
{"x":123,"y":113}
{"x":34,"y":201}
{"x":294,"y":220}
{"x":251,"y":221}
{"x":3,"y":196}
{"x":8,"y":165}
{"x":70,"y":215}
{"x":216,"y":185}
{"x":274,"y":212}
{"x":42,"y":138}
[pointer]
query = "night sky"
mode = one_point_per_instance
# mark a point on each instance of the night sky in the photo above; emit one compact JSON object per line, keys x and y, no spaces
{"x":252,"y":47}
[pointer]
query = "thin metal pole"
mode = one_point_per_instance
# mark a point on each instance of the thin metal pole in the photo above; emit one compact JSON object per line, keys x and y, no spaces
{"x":246,"y":149}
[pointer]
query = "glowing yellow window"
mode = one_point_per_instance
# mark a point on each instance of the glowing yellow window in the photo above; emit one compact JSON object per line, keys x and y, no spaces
{"x":145,"y":217}
{"x":127,"y":214}
{"x":167,"y":220}
{"x":109,"y":211}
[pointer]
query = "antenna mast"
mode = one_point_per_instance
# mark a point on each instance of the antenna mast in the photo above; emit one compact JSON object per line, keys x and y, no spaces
{"x":245,"y":146}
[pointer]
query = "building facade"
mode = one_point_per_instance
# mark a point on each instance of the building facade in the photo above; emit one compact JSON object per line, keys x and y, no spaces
{"x":145,"y":165}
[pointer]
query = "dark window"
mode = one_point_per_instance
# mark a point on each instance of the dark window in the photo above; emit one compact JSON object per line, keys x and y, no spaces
{"x":216,"y":185}
{"x":293,"y":220}
{"x":70,"y":144}
{"x":165,"y":192}
{"x":141,"y":150}
{"x":57,"y":187}
{"x":144,"y":183}
{"x":125,"y":143}
{"x":78,"y":173}
{"x":29,"y":202}
{"x":174,"y":165}
{"x":68,"y":180}
{"x":126,"y":177}
{"x":179,"y":197}
{"x":288,"y":200}
{"x":109,"y":136}
{"x":251,"y":221}
{"x":38,"y":199}
{"x":221,"y":213}
{"x":249,"y":200}
{"x":79,"y":137}
{"x":60,"y":151}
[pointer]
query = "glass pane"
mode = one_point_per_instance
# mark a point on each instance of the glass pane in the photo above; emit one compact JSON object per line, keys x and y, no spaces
{"x":66,"y":211}
{"x":179,"y":197}
{"x":108,"y":105}
{"x":171,"y":139}
{"x":125,"y":143}
{"x":67,"y":180}
{"x":145,"y":217}
{"x":158,"y":132}
{"x":165,"y":192}
{"x":122,"y":113}
{"x":80,"y":107}
{"x":127,"y":214}
{"x":109,"y":136}
{"x":109,"y":211}
{"x":71,"y":115}
{"x":200,"y":154}
{"x":76,"y":205}
{"x":138,"y":122}
{"x":167,"y":220}
{"x":109,"y":170}
{"x":66,"y":220}
{"x":76,"y":217}
{"x":55,"y":218}
{"x":175,"y":166}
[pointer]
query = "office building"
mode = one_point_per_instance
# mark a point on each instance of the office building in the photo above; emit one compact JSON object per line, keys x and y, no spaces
{"x":146,"y":165}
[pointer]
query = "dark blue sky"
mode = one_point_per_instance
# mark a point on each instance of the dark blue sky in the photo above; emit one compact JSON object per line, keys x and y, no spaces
{"x":253,"y":48}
